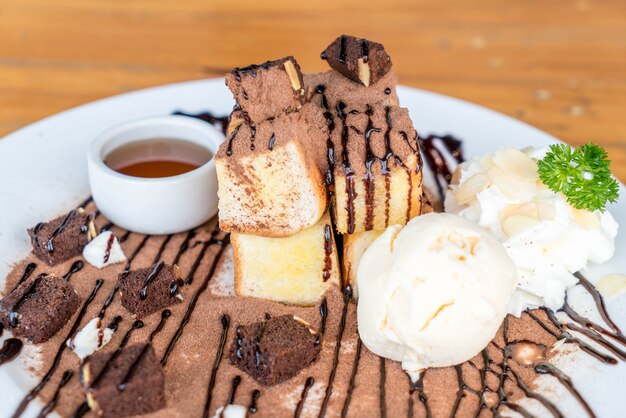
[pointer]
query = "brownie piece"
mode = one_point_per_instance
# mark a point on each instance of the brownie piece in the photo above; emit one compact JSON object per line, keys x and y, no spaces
{"x":129,"y":381}
{"x":274,"y":350}
{"x":147,"y":290}
{"x":267,"y":90}
{"x":62,"y":238}
{"x":358,"y":59}
{"x":37,"y":309}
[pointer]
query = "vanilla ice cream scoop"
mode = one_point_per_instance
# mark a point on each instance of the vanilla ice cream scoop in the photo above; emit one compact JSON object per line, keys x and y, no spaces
{"x":434,"y":293}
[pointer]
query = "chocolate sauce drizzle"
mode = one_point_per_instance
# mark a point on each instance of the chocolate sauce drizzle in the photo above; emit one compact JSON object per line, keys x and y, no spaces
{"x":49,"y":407}
{"x":11,"y":348}
{"x":58,"y":230}
{"x":231,"y":138}
{"x":347,"y":295}
{"x":355,"y":370}
{"x":135,"y":252}
{"x":196,"y":263}
{"x":305,"y":391}
{"x":75,"y":268}
{"x":225,"y":321}
{"x":418,"y":387}
{"x":81,"y":410}
{"x":330,"y":122}
{"x":328,"y":251}
{"x":323,"y":318}
{"x":133,"y":367}
{"x":436,"y":160}
{"x":342,"y":49}
{"x":32,"y":288}
{"x":106,"y":227}
{"x":194,"y":299}
{"x":57,"y":358}
{"x":152,"y":275}
{"x":107,"y":251}
{"x":254,"y":397}
{"x":108,"y":301}
{"x":234,"y":384}
{"x":547,"y":368}
{"x":184,"y":246}
{"x":220,"y":121}
{"x":28,"y":270}
{"x":348,"y":171}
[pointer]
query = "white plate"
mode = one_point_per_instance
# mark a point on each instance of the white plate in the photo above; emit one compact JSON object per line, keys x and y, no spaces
{"x":43,"y":172}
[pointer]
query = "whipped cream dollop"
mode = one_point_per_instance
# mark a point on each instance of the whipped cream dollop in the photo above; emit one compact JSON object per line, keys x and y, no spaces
{"x":433,"y":293}
{"x":548,"y":239}
{"x":104,"y":250}
{"x":91,"y":338}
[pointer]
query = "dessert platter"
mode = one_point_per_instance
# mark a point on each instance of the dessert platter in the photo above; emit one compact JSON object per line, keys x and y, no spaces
{"x":326,"y":244}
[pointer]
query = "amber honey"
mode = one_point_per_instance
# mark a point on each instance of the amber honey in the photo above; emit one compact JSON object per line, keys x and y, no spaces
{"x":155,"y":158}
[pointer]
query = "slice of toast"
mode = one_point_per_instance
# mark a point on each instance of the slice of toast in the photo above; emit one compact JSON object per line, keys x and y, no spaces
{"x":295,"y":270}
{"x":270,"y":180}
{"x":332,"y":88}
{"x":376,"y":168}
{"x":354,"y":245}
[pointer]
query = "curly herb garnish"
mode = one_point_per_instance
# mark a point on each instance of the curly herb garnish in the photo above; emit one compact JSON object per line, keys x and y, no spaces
{"x":582,"y":175}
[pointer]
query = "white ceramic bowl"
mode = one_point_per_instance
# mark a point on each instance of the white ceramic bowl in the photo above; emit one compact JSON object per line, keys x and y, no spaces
{"x":155,"y":205}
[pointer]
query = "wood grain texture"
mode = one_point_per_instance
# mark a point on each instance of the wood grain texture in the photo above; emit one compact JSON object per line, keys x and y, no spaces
{"x":559,"y":65}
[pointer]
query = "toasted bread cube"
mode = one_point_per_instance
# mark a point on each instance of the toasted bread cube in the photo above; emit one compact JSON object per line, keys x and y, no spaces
{"x":377,"y":169}
{"x":267,"y":90}
{"x":295,"y":270}
{"x":270,"y":180}
{"x":331,"y":87}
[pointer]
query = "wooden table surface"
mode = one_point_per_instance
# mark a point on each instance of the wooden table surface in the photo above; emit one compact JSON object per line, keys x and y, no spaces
{"x":559,"y":64}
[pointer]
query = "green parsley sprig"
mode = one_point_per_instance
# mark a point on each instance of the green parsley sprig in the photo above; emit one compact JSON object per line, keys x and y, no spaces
{"x":583,"y":175}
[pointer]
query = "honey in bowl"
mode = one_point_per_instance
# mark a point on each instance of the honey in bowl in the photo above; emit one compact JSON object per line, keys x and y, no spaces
{"x":159,"y":157}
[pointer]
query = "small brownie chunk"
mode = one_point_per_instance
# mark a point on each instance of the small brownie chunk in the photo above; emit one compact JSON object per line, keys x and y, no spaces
{"x":274,"y":350}
{"x":37,"y":309}
{"x":63,"y":237}
{"x":130,"y":382}
{"x":358,"y":59}
{"x":147,"y":290}
{"x":267,"y":90}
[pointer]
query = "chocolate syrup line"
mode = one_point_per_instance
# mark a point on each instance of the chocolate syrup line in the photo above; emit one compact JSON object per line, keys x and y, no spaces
{"x":75,"y":268}
{"x":106,"y":227}
{"x":233,"y":389}
{"x":225,"y":320}
{"x":184,"y":246}
{"x":58,"y":230}
{"x":355,"y":370}
{"x":152,"y":275}
{"x":135,"y":252}
{"x":328,"y":251}
{"x":502,"y":398}
{"x":194,"y":299}
{"x":418,"y":387}
{"x":124,"y":237}
{"x":330,"y":146}
{"x":547,"y":368}
{"x":254,"y":397}
{"x":231,"y":138}
{"x":599,"y":301}
{"x":437,"y":162}
{"x":28,"y":270}
{"x":347,"y":295}
{"x":460,"y":393}
{"x":107,"y":251}
{"x":342,"y":49}
{"x":365,"y":50}
{"x":370,"y":158}
{"x":107,"y":365}
{"x":49,"y":407}
{"x":159,"y":253}
{"x":305,"y":391}
{"x":196,"y":263}
{"x":323,"y":318}
{"x":11,"y":348}
{"x":594,"y":336}
{"x":381,"y":388}
{"x":348,"y":172}
{"x":108,"y":301}
{"x":1,"y":328}
{"x":114,"y":324}
{"x":32,"y":288}
{"x":165,"y":314}
{"x":569,"y":338}
{"x":85,"y":202}
{"x":534,"y":395}
{"x":81,"y":410}
{"x":221,"y":121}
{"x":618,"y":336}
{"x":57,"y":358}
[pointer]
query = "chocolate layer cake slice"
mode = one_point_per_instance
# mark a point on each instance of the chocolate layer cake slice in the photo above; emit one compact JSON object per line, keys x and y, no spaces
{"x":39,"y":308}
{"x":274,"y":350}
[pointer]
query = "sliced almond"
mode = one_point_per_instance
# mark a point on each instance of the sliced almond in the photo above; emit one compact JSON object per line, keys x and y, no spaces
{"x":527,"y":209}
{"x":456,"y":176}
{"x":515,"y":224}
{"x":290,"y":69}
{"x":364,"y":72}
{"x":466,"y":192}
{"x":516,"y":163}
{"x":486,"y":161}
{"x":512,"y":186}
{"x":612,"y":285}
{"x":545,"y":209}
{"x":586,"y":219}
